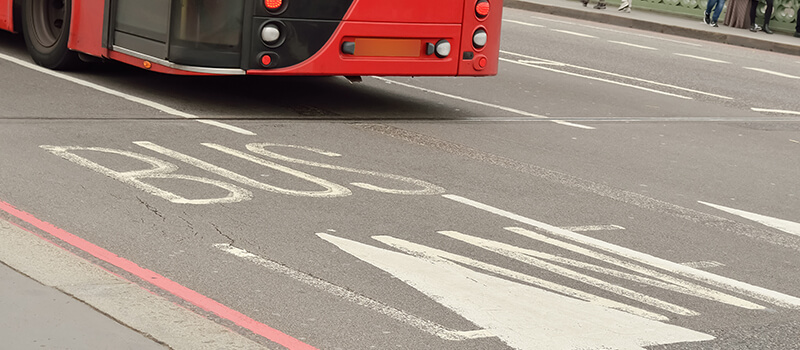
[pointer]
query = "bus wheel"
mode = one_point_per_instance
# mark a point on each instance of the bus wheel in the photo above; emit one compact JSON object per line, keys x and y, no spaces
{"x":46,"y":26}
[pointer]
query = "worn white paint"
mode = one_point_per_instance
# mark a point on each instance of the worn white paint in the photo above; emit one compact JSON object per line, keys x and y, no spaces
{"x":159,"y":170}
{"x":780,"y":224}
{"x":633,"y":45}
{"x":749,"y":290}
{"x":522,"y":316}
{"x":526,"y":57}
{"x":574,"y":33}
{"x":358,"y":299}
{"x":485,"y":104}
{"x":330,"y":189}
{"x":702,"y":58}
{"x":426,"y":188}
{"x":779,"y":111}
{"x":421,"y":250}
{"x":782,"y":75}
{"x":523,"y":23}
{"x":703,"y":264}
{"x":589,"y":228}
{"x":139,"y":100}
{"x":539,"y":260}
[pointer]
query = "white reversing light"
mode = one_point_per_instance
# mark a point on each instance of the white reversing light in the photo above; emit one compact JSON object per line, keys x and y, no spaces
{"x":270,"y":33}
{"x":480,"y":38}
{"x":443,"y":48}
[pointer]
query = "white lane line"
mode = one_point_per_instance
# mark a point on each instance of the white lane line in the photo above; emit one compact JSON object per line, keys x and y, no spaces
{"x":627,"y":33}
{"x":703,"y":264}
{"x":523,"y":23}
{"x":773,"y":73}
{"x":780,"y":111}
{"x":574,"y":33}
{"x":596,"y":78}
{"x":795,"y":141}
{"x":633,"y":45}
{"x":342,"y":293}
{"x":503,"y":108}
{"x":589,"y":228}
{"x":752,"y":291}
{"x":779,"y":224}
{"x":701,"y":58}
{"x":139,"y":100}
{"x":522,"y":316}
{"x":623,"y":77}
{"x":417,"y":249}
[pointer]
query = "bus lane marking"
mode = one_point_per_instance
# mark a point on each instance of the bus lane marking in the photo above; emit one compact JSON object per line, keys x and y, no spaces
{"x":783,"y":75}
{"x":159,"y":281}
{"x":633,"y":45}
{"x":778,"y":224}
{"x":139,"y":100}
{"x":343,"y":293}
{"x":520,"y":315}
{"x":574,"y":33}
{"x":701,"y":58}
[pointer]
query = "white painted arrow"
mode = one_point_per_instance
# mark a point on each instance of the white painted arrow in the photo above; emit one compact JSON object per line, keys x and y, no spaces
{"x":522,"y":316}
{"x":783,"y":225}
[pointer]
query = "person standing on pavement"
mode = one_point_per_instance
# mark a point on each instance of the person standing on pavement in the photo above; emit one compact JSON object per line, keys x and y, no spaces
{"x":797,"y":19}
{"x":737,"y":14}
{"x":601,"y":4}
{"x":626,"y":6}
{"x":767,"y":15}
{"x":716,"y":6}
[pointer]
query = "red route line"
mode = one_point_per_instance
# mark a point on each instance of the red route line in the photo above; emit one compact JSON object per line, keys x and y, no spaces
{"x":162,"y":282}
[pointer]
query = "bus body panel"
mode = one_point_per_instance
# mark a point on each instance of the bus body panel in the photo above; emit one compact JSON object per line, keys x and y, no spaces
{"x":330,"y":61}
{"x":86,"y":27}
{"x":407,"y":11}
{"x":7,"y":15}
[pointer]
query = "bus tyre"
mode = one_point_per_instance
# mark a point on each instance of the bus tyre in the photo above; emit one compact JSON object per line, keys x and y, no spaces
{"x":46,"y":26}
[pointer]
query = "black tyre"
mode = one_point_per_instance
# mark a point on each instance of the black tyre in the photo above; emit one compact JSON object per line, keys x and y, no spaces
{"x":46,"y":26}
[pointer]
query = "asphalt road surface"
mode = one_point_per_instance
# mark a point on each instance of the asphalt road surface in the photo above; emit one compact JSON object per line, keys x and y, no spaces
{"x":609,"y":189}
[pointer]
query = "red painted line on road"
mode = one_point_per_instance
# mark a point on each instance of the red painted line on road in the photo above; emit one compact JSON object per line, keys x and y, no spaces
{"x":162,"y":282}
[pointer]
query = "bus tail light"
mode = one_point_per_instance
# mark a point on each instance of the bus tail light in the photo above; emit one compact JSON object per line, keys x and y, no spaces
{"x":482,"y":9}
{"x":479,"y":38}
{"x":273,"y":5}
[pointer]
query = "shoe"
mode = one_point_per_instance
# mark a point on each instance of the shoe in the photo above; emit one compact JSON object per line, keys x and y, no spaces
{"x":797,"y":34}
{"x":585,"y":2}
{"x":766,"y":29}
{"x":714,"y":24}
{"x":600,"y":6}
{"x":626,"y":8}
{"x":754,"y":27}
{"x":707,"y":18}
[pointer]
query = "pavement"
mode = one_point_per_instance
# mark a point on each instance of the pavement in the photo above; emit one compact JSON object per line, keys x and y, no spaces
{"x":650,"y":20}
{"x":37,"y":316}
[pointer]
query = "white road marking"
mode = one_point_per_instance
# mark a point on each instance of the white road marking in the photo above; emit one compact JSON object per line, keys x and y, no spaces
{"x":537,"y":259}
{"x":795,"y":141}
{"x":701,"y":58}
{"x":783,"y":225}
{"x":703,"y":264}
{"x":427,"y":188}
{"x":593,"y":228}
{"x":624,"y":77}
{"x":523,"y":23}
{"x":574,"y":33}
{"x":159,"y":170}
{"x":596,"y":78}
{"x":749,"y":290}
{"x":772,"y":72}
{"x":331,"y":189}
{"x":139,"y":100}
{"x":627,"y":33}
{"x":417,"y":249}
{"x":520,"y":315}
{"x":633,"y":45}
{"x":779,"y":111}
{"x":503,"y":108}
{"x":343,"y":293}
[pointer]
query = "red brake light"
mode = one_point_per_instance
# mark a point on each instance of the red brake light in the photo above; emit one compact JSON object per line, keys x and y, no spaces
{"x":273,"y":4}
{"x":482,"y":8}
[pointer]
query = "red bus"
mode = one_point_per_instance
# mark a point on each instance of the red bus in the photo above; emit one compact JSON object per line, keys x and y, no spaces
{"x":264,"y":37}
